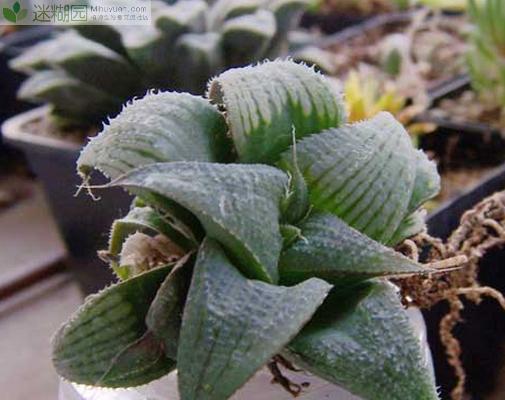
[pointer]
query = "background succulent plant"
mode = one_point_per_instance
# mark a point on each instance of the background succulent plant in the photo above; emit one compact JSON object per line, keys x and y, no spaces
{"x":277,"y":222}
{"x":486,"y":57}
{"x":87,"y":73}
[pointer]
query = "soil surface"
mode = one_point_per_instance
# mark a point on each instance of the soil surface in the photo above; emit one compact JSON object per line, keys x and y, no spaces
{"x":43,"y":126}
{"x":435,"y":48}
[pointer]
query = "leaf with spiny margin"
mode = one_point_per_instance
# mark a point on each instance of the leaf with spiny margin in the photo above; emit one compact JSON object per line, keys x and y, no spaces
{"x":59,"y":90}
{"x":237,"y":204}
{"x":106,"y":342}
{"x":198,"y":57}
{"x":160,"y":127}
{"x":363,"y":340}
{"x":266,"y":103}
{"x":331,"y":250}
{"x":364,"y":173}
{"x":247,"y":37}
{"x":164,"y":318}
{"x":232,"y":326}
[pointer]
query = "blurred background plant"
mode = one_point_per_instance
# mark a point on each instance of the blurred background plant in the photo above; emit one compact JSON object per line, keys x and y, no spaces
{"x":365,"y":96}
{"x":486,"y":56}
{"x":87,"y":73}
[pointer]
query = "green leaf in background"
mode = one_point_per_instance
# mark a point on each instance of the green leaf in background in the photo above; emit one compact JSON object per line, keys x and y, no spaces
{"x":181,"y":18}
{"x":108,"y":334}
{"x":368,"y":174}
{"x":247,"y":37}
{"x":58,"y":89}
{"x":160,"y":127}
{"x":231,"y":201}
{"x":198,"y":56}
{"x":16,"y":7}
{"x":264,"y":104}
{"x":331,"y":250}
{"x":363,"y":340}
{"x":82,"y":58}
{"x":232,"y":326}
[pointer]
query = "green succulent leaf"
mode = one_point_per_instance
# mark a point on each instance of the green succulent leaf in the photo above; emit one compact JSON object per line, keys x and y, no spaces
{"x":58,"y":89}
{"x":215,"y":193}
{"x":232,"y":326}
{"x":223,"y":10}
{"x":151,"y":51}
{"x":198,"y":57}
{"x":368,"y":174}
{"x":182,"y":17}
{"x":287,"y":13}
{"x":160,"y":127}
{"x":331,"y":250}
{"x":266,"y":103}
{"x":362,"y":340}
{"x":107,"y":336}
{"x":247,"y":37}
{"x":164,"y":318}
{"x":106,"y":35}
{"x":35,"y":58}
{"x":82,"y":58}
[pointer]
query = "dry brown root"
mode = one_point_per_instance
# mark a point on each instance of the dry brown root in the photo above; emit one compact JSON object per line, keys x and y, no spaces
{"x":481,"y":229}
{"x":278,"y":377}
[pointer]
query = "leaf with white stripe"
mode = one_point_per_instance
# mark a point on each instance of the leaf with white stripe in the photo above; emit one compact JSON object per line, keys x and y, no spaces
{"x":266,"y":103}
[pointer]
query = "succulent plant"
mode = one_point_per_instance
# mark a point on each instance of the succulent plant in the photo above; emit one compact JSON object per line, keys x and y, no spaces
{"x":486,"y":56}
{"x":88,"y":72}
{"x":263,"y":224}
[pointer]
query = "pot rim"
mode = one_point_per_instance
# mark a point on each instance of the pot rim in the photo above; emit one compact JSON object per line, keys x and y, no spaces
{"x":12,"y":129}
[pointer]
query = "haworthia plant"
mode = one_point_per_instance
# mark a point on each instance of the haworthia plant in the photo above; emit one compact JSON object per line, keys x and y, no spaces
{"x":85,"y":74}
{"x":277,"y":222}
{"x":486,"y":55}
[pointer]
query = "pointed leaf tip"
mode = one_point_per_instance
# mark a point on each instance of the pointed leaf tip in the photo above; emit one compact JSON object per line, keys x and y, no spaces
{"x":232,"y":326}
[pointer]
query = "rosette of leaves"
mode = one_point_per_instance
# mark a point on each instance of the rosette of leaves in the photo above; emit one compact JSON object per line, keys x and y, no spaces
{"x":263,"y":224}
{"x":486,"y":56}
{"x":87,"y":73}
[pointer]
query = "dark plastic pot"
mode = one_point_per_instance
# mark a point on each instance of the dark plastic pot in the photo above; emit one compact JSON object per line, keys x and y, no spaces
{"x":84,"y":223}
{"x":11,"y":46}
{"x":360,"y":28}
{"x":482,"y":334}
{"x":469,"y":143}
{"x":331,"y":23}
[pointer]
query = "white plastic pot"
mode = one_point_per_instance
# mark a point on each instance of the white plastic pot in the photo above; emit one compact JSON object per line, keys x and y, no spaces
{"x":258,"y":388}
